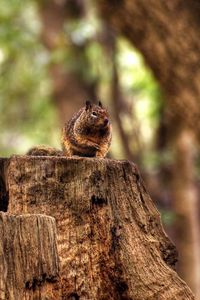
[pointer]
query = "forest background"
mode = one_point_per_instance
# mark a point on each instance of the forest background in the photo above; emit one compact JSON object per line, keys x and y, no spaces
{"x":142,"y":60}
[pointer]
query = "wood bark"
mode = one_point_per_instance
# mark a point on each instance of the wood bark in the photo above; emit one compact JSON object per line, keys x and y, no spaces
{"x":29,"y":265}
{"x":111,"y":243}
{"x":167,"y":34}
{"x":3,"y":190}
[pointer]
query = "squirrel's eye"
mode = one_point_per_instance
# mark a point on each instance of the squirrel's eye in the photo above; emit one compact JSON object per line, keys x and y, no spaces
{"x":94,"y":114}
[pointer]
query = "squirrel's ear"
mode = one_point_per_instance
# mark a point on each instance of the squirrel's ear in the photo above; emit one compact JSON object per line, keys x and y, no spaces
{"x":88,"y":105}
{"x":100,"y":104}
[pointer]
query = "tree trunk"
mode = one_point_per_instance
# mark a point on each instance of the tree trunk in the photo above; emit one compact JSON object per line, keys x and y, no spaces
{"x":185,"y":202}
{"x":70,"y":88}
{"x":3,"y":190}
{"x":167,"y":34}
{"x":111,"y":243}
{"x":29,"y":265}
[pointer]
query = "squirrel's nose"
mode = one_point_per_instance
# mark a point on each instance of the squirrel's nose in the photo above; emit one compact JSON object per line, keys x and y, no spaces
{"x":106,"y":121}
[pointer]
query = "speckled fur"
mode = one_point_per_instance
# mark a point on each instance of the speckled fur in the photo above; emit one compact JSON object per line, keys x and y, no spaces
{"x":86,"y":135}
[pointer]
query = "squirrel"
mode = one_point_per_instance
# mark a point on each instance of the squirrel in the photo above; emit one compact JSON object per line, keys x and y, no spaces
{"x":43,"y":150}
{"x":88,"y":133}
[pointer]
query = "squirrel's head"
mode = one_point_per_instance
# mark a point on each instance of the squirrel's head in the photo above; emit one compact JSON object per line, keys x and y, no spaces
{"x":96,"y":115}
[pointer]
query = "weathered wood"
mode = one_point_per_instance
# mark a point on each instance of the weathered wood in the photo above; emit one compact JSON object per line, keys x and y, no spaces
{"x":110,"y":239}
{"x":157,"y":29}
{"x":3,"y":191}
{"x":29,"y":265}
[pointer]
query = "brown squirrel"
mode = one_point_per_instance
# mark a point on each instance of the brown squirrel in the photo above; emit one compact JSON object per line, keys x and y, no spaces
{"x":43,"y":150}
{"x":88,"y":133}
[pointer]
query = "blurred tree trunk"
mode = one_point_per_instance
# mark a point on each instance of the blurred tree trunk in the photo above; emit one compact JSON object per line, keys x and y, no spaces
{"x":117,"y":100}
{"x":111,"y":243}
{"x":186,"y":208}
{"x":117,"y":104}
{"x":130,"y":141}
{"x":70,"y":88}
{"x":167,"y":34}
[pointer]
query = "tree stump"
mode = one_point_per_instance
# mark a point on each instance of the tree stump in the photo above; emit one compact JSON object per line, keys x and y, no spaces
{"x":3,"y":190}
{"x":111,"y":243}
{"x":29,"y":265}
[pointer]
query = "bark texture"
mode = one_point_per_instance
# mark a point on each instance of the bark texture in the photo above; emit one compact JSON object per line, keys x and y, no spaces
{"x":29,"y":265}
{"x":111,"y":243}
{"x":167,"y":34}
{"x":3,"y":190}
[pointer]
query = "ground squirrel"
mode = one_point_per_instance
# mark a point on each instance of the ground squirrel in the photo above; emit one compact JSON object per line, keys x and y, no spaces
{"x":88,"y":132}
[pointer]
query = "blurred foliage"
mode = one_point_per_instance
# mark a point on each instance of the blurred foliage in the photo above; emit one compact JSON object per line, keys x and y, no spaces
{"x":144,"y":96}
{"x":28,"y":114}
{"x":168,"y":217}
